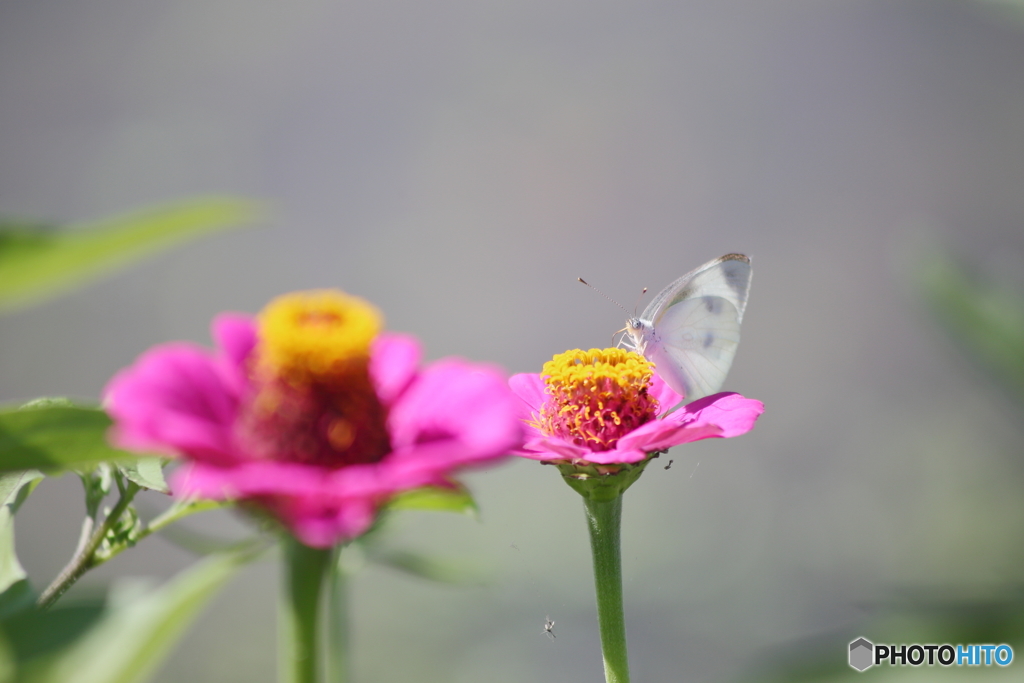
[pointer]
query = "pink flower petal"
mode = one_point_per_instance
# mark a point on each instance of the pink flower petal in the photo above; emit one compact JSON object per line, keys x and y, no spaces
{"x":320,"y":522}
{"x":531,"y":391}
{"x":235,"y":335}
{"x":733,"y":413}
{"x":174,"y":400}
{"x":667,"y":397}
{"x":619,"y":455}
{"x":552,"y":448}
{"x":659,"y":435}
{"x":454,"y":414}
{"x":393,"y":362}
{"x":719,"y":416}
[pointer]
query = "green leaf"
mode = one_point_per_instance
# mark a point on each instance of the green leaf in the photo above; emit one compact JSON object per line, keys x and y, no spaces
{"x":985,"y":320}
{"x":455,"y":499}
{"x":15,"y":487}
{"x":55,"y":437}
{"x":442,"y":570}
{"x":147,"y":472}
{"x":34,"y":633}
{"x":97,"y":482}
{"x":38,"y":262}
{"x":132,"y":639}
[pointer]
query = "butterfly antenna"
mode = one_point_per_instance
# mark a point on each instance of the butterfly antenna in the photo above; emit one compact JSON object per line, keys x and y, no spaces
{"x":638,"y":301}
{"x":603,"y":294}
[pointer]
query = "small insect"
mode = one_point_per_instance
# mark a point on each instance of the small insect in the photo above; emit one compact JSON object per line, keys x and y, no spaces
{"x":549,"y":625}
{"x":669,"y":464}
{"x":514,"y":546}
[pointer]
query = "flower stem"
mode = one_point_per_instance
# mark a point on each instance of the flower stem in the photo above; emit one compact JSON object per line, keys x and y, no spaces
{"x":337,"y":623}
{"x":603,"y":519}
{"x":305,"y":571}
{"x":85,"y":557}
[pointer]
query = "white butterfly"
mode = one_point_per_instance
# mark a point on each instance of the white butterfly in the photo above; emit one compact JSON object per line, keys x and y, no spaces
{"x":690,"y":331}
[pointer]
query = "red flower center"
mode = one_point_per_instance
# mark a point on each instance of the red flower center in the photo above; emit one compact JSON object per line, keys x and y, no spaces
{"x":314,"y":402}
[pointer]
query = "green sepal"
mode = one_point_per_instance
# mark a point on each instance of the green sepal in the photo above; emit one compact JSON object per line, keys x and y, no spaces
{"x":440,"y":499}
{"x":602,"y":482}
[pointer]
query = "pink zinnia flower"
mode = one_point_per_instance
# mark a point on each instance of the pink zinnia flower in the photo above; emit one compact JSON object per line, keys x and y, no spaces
{"x":607,"y":407}
{"x":309,"y":413}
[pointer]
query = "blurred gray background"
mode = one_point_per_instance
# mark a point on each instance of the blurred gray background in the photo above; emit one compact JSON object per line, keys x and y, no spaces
{"x":460,"y":164}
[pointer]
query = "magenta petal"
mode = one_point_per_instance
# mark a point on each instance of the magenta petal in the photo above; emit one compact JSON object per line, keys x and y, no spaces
{"x":176,"y":400}
{"x":532,"y":393}
{"x":719,"y":416}
{"x":619,"y":455}
{"x":666,"y":396}
{"x":321,"y":522}
{"x":732,"y":413}
{"x":659,"y":435}
{"x":393,"y":362}
{"x":235,"y":335}
{"x":668,"y":434}
{"x":317,"y":507}
{"x":455,"y":413}
{"x":552,"y":448}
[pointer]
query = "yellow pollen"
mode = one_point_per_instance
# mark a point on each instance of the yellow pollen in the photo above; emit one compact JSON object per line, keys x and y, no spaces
{"x":316,"y":335}
{"x":624,"y":368}
{"x":597,"y":396}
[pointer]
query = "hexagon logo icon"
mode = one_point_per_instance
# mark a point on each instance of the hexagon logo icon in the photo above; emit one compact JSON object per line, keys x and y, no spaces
{"x":862,"y":654}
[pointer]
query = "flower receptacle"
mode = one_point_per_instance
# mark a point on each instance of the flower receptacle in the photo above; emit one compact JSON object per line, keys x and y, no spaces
{"x":601,"y":482}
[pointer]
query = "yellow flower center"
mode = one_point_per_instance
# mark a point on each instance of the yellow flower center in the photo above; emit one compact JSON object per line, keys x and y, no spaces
{"x":314,"y":401}
{"x":597,"y":396}
{"x":308,"y":336}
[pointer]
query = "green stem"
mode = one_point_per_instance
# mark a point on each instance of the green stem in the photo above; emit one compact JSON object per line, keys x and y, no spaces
{"x":603,"y":520}
{"x":337,"y":624}
{"x":85,"y":559}
{"x":305,"y":571}
{"x":177,"y":511}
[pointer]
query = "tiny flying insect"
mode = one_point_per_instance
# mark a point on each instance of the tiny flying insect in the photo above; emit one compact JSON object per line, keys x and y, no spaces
{"x":690,"y":331}
{"x":669,"y":464}
{"x":549,"y":625}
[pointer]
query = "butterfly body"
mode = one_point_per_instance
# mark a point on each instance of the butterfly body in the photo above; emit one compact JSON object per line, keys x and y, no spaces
{"x":691,"y":330}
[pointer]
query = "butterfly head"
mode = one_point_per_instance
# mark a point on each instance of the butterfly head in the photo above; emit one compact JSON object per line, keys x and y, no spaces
{"x":635,"y":329}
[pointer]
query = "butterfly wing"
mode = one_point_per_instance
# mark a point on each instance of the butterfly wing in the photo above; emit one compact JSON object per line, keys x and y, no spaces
{"x":696,"y":326}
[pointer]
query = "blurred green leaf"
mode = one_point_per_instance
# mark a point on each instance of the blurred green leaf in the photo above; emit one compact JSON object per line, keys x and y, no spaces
{"x":147,"y":472}
{"x":15,"y":591}
{"x":1011,"y":10}
{"x":35,"y":633}
{"x":986,"y":321}
{"x":38,"y":262}
{"x":131,"y":640}
{"x":55,"y":437}
{"x":97,"y":482}
{"x":436,"y":498}
{"x":907,"y":616}
{"x":7,"y":661}
{"x":442,"y":570}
